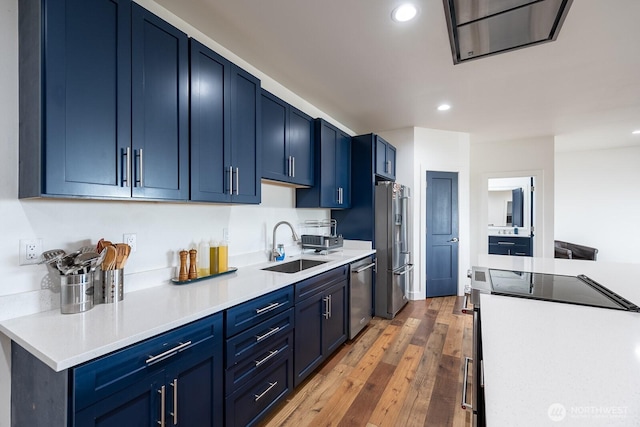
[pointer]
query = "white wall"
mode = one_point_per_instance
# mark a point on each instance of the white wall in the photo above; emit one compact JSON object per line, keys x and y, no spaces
{"x":161,"y":228}
{"x":597,"y":201}
{"x":433,"y":150}
{"x":530,"y":157}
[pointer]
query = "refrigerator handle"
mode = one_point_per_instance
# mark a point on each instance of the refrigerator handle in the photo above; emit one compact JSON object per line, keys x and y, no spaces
{"x":405,"y":271}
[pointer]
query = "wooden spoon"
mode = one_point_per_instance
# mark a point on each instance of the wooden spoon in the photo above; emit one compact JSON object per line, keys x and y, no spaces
{"x":122,"y":253}
{"x":109,"y":261}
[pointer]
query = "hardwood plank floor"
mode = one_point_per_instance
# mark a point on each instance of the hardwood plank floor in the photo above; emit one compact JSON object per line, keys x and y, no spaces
{"x":401,"y":372}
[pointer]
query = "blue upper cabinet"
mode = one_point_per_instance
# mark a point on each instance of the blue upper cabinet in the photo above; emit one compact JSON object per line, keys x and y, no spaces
{"x":332,"y":168}
{"x":225,"y":130}
{"x":287,"y":142}
{"x":103,"y":102}
{"x":385,"y":159}
{"x":75,"y":97}
{"x":246,"y":148}
{"x":159,"y":156}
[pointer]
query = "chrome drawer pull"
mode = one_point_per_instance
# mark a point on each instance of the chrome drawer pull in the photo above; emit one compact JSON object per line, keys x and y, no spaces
{"x":259,"y":396}
{"x":268,"y":334}
{"x":465,"y":384}
{"x":268,"y":308}
{"x":174,"y":384}
{"x":168,"y":353}
{"x":507,"y":243}
{"x":271,"y":354}
{"x":162,"y":407}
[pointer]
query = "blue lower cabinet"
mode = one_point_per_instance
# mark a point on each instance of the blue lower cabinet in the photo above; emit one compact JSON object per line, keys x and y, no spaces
{"x":136,"y":405}
{"x":173,"y":379}
{"x":249,"y":404}
{"x":515,"y":246}
{"x":259,"y":356}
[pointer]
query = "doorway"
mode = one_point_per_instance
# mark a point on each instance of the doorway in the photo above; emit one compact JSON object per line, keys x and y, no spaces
{"x":442,"y":234}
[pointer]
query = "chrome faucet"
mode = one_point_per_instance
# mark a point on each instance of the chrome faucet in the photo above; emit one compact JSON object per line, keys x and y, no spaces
{"x":294,"y":235}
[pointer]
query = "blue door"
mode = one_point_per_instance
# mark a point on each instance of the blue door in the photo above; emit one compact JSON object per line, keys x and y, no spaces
{"x":442,"y":234}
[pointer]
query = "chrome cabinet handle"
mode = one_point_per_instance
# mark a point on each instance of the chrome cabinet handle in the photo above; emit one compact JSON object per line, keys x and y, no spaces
{"x":230,"y":180}
{"x":366,"y":267}
{"x":126,"y":179}
{"x":271,"y":354}
{"x":465,"y":384}
{"x":268,"y":334}
{"x":330,"y":305}
{"x":268,"y":308}
{"x":293,"y":164}
{"x":172,"y":352}
{"x":507,"y":243}
{"x":326,"y":307}
{"x":162,"y":407}
{"x":289,"y":166}
{"x":237,"y":181}
{"x":140,"y":178}
{"x":174,"y":384}
{"x":259,"y":396}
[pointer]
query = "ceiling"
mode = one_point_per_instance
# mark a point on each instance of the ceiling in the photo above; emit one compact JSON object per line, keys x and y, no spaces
{"x":349,"y":59}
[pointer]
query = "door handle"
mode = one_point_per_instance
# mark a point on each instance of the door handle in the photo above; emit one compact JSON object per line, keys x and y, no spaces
{"x":454,"y":240}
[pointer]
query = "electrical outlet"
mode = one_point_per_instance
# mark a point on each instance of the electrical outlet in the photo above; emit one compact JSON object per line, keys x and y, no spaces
{"x":130,"y":239}
{"x":225,"y":234}
{"x":29,"y":251}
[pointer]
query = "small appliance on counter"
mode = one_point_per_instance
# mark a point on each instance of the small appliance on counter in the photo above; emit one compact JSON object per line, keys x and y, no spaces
{"x":322,"y":242}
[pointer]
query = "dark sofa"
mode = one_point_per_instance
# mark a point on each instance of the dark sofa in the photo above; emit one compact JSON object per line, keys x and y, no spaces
{"x":573,"y":251}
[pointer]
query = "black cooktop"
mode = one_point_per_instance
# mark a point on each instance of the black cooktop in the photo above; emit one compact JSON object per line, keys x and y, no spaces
{"x":579,"y":290}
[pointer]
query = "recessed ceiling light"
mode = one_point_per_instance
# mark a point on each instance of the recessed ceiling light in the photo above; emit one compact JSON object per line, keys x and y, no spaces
{"x":636,"y":132}
{"x":405,"y":12}
{"x":444,"y":107}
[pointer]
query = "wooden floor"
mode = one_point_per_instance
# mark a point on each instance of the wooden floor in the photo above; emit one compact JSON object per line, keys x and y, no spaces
{"x":401,"y":372}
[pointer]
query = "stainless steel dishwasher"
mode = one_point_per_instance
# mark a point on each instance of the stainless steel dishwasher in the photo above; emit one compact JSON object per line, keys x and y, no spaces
{"x":361,"y":294}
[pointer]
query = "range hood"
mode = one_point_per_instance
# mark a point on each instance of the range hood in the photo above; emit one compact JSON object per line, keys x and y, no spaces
{"x":479,"y":28}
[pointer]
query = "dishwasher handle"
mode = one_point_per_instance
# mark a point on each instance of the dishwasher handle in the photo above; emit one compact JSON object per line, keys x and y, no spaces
{"x":366,"y":267}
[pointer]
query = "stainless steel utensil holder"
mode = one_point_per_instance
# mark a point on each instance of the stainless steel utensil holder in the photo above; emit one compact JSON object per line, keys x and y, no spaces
{"x":76,"y":293}
{"x":111,"y":286}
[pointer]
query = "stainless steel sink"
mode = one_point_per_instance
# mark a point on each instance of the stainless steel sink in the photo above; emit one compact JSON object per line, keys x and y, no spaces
{"x":294,"y":266}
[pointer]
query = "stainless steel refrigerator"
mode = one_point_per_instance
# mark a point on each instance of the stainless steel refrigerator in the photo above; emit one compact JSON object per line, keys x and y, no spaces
{"x":393,"y":248}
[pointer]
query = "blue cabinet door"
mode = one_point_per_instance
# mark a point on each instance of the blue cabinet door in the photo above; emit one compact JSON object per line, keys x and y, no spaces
{"x":86,"y":99}
{"x":308,"y":340}
{"x":332,"y":170}
{"x":195,"y":391}
{"x":300,"y":146}
{"x":138,"y":405}
{"x":343,"y":169}
{"x":246,"y":148}
{"x":160,"y":102}
{"x":275,"y":157}
{"x":335,"y":330}
{"x":385,"y":159}
{"x":210,"y":130}
{"x":328,"y":185}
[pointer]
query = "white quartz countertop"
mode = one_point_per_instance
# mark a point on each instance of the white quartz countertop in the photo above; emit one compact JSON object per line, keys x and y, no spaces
{"x":65,"y":340}
{"x":559,"y":364}
{"x":551,"y":363}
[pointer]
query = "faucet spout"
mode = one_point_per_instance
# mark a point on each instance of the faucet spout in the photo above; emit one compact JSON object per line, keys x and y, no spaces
{"x":294,"y":235}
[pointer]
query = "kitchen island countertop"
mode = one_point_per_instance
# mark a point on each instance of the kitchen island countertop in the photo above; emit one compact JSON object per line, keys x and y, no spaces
{"x":66,"y":340}
{"x":549,"y":363}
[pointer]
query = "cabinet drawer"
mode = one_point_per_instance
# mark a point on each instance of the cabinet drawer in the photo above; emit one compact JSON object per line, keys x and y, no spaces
{"x":259,"y":361}
{"x":250,"y":403}
{"x":253,"y":340}
{"x":312,"y":286}
{"x":106,"y":375}
{"x":253,"y":312}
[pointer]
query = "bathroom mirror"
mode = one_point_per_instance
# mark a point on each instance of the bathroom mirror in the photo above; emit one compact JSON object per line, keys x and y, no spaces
{"x":509,"y":203}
